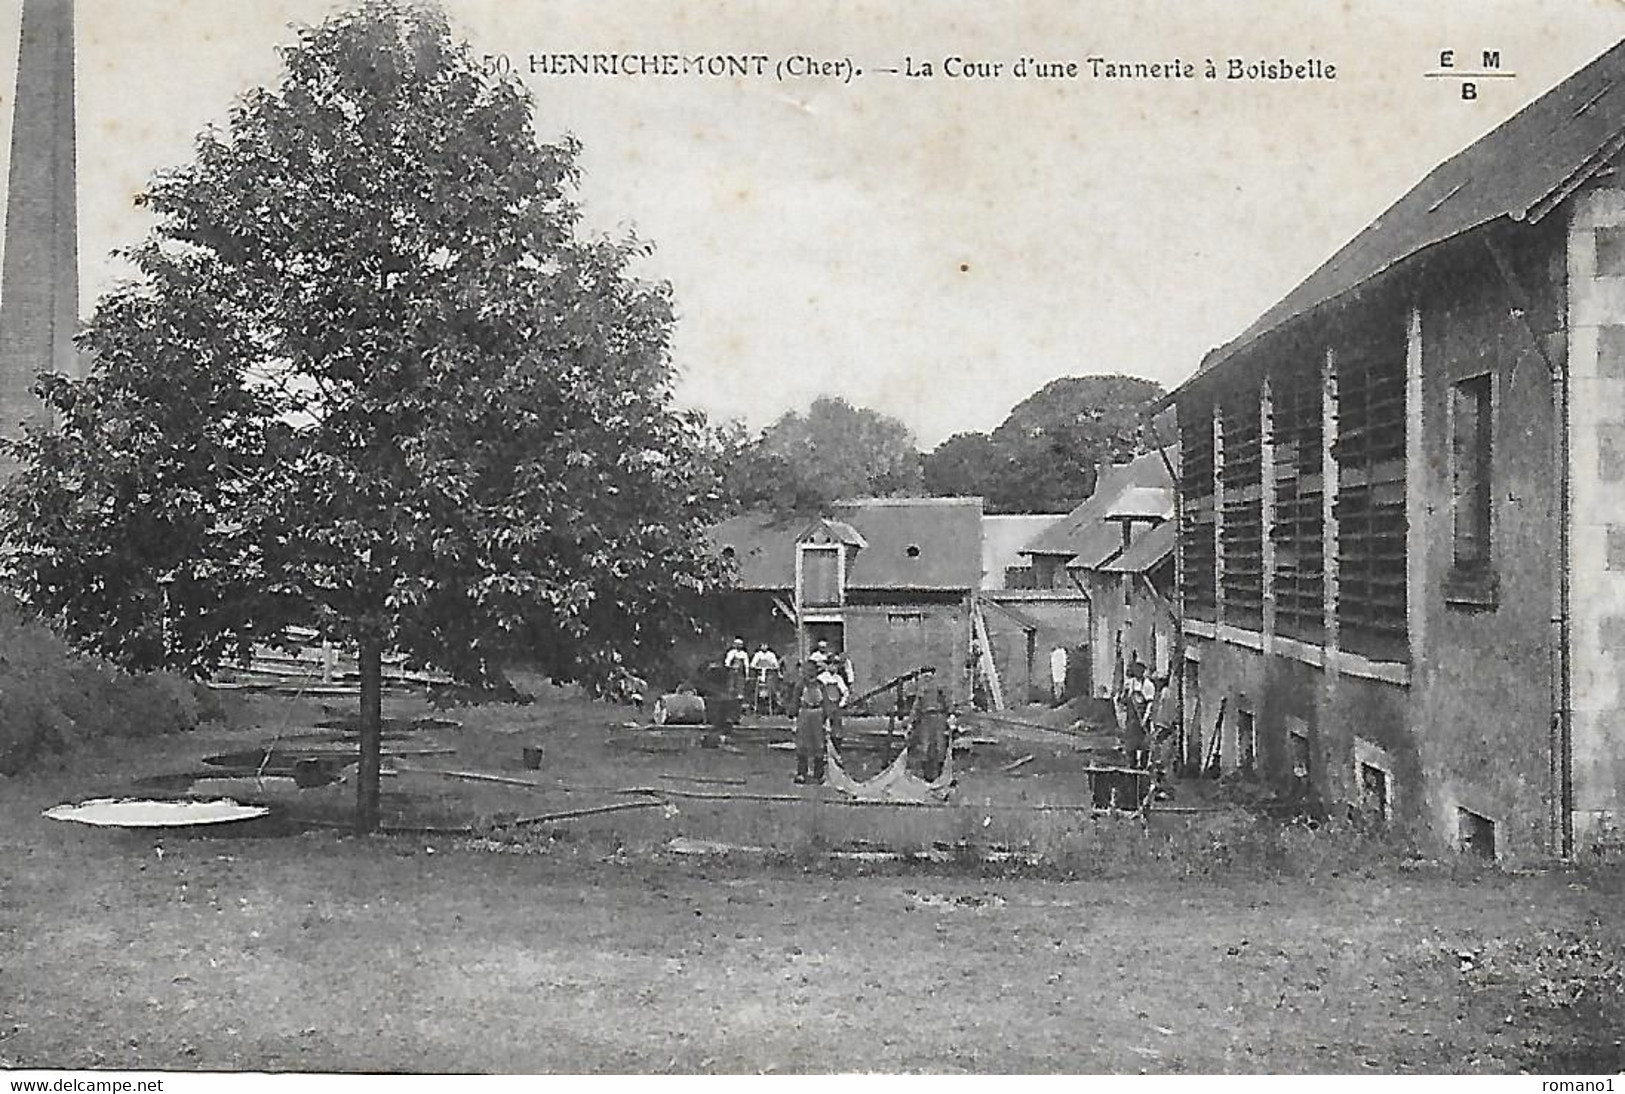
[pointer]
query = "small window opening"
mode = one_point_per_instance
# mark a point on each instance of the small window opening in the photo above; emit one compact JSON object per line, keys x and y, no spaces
{"x":1299,"y":743}
{"x":1374,"y":793}
{"x":1471,"y":499}
{"x":728,"y":552}
{"x":913,"y":550}
{"x":1477,"y":834}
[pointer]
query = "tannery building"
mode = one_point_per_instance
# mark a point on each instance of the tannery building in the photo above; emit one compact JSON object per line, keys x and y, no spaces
{"x":1117,"y":550}
{"x":892,"y":582}
{"x":1402,"y":496}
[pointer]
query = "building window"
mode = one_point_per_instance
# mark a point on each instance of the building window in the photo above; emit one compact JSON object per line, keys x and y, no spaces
{"x":1243,"y":534}
{"x":1475,"y":833}
{"x":1298,"y":742}
{"x":820,"y":576}
{"x":908,"y":622}
{"x":1472,"y":579}
{"x":1374,"y":793}
{"x":1020,"y":577}
{"x":1610,"y":243}
{"x":1298,"y":528}
{"x":1198,"y":578}
{"x":1190,"y":735}
{"x":1371,"y":521}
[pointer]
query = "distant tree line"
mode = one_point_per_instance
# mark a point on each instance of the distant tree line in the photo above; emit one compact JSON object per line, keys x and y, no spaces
{"x":1042,"y":458}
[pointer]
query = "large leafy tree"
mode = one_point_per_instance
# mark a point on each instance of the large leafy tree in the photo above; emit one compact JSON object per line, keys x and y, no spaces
{"x":965,"y":464}
{"x":834,"y":450}
{"x":1044,"y":456}
{"x":372,"y":375}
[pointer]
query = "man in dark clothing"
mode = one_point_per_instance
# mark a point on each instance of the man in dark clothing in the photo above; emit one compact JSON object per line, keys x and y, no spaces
{"x":804,"y":702}
{"x":1134,"y":703}
{"x":931,"y":734}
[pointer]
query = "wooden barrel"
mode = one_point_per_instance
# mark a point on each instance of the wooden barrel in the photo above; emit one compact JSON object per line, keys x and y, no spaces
{"x":679,"y":710}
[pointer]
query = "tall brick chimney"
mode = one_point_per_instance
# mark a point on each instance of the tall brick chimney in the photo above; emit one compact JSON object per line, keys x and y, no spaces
{"x":39,"y":285}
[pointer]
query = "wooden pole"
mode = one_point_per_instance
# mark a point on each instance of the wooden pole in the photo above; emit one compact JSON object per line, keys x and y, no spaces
{"x":372,"y":693}
{"x":571,"y":814}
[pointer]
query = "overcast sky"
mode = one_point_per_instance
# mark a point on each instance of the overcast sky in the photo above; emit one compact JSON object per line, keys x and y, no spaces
{"x":937,"y":248}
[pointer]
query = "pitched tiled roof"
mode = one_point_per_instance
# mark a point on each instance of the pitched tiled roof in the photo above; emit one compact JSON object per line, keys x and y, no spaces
{"x":1149,"y":549}
{"x":1085,"y":532}
{"x":945,"y":535}
{"x":762,"y":546}
{"x":1519,"y":170}
{"x":915,"y":543}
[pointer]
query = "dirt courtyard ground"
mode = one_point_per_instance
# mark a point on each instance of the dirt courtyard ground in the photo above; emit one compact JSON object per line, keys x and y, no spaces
{"x":597,"y":948}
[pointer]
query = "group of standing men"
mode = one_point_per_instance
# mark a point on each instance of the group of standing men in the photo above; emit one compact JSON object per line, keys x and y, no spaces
{"x":815,"y":700}
{"x":814,"y":696}
{"x":763,"y":669}
{"x":1143,"y":712}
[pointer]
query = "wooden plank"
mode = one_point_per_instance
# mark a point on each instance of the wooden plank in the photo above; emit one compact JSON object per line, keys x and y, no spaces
{"x":989,"y":666}
{"x":571,"y":814}
{"x":1210,"y":758}
{"x":475,"y":776}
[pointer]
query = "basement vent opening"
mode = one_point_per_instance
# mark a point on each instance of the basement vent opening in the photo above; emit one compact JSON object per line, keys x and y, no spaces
{"x":1374,"y":793}
{"x":728,"y":552}
{"x":1299,"y":744}
{"x":913,"y":550}
{"x":1477,"y":834}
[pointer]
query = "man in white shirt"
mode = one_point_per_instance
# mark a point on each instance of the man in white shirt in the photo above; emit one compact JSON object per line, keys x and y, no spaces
{"x":1135,"y":700}
{"x":1057,"y":673}
{"x":764,"y":666}
{"x":833,"y":693}
{"x":737,"y":663}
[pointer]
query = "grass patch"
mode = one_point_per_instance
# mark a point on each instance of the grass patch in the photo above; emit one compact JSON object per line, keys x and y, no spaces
{"x":985,"y":838}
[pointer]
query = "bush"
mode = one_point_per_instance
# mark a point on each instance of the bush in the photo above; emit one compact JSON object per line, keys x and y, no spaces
{"x":52,"y":699}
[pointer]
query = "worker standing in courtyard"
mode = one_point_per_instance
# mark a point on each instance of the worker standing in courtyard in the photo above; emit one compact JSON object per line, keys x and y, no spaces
{"x":764,"y":666}
{"x":843,"y":665}
{"x":932,"y":735}
{"x":1134,"y":703}
{"x":1164,"y":731}
{"x":789,"y":680}
{"x":803,"y":702}
{"x":736,"y":662}
{"x":833,"y":693}
{"x":1057,"y":675}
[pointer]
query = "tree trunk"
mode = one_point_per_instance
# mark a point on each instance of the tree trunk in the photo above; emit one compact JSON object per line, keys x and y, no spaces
{"x":372,"y":693}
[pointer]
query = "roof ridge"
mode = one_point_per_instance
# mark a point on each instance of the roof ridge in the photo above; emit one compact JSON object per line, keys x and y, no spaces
{"x":1576,"y":142}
